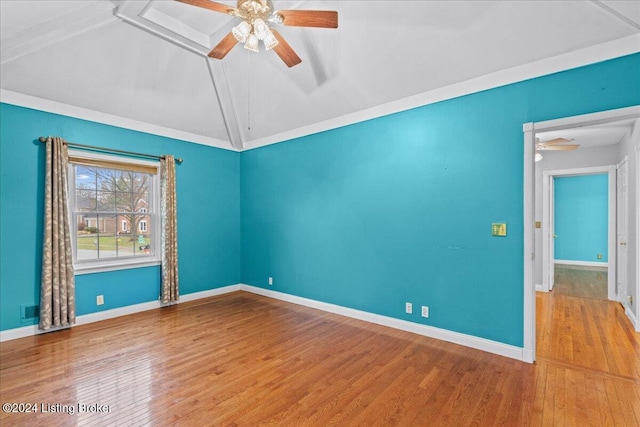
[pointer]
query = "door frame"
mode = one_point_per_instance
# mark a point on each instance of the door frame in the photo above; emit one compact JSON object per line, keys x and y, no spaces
{"x":530,"y":130}
{"x":548,"y":210}
{"x":621,"y":298}
{"x":637,"y":260}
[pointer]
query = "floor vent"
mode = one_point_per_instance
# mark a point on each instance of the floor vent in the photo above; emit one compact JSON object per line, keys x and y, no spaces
{"x":28,"y":312}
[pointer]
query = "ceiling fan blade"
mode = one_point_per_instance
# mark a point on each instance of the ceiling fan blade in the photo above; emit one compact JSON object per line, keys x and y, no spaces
{"x":284,"y":51}
{"x":211,"y":5}
{"x":567,"y":147}
{"x":224,"y":47}
{"x":556,"y":141}
{"x":309,"y":18}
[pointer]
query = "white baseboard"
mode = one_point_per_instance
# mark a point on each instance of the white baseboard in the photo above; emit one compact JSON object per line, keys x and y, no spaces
{"x":12,"y":334}
{"x":528,"y":356}
{"x":416,"y":328}
{"x":114,"y":312}
{"x":210,"y":293}
{"x":632,"y":318}
{"x":581,"y":263}
{"x":541,"y":288}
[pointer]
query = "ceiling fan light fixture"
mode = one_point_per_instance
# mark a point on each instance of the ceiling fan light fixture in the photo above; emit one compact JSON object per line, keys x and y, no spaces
{"x":270,"y":41}
{"x":260,"y":28}
{"x":252,"y":43}
{"x":538,"y":157}
{"x":257,"y":16}
{"x":241,"y":31}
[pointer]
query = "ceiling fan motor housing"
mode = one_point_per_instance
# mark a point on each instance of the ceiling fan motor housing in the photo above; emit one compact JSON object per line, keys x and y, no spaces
{"x":251,"y":10}
{"x":255,"y":15}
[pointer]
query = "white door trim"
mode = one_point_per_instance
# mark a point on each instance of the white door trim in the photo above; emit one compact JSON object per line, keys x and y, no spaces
{"x":529,"y":130}
{"x":547,"y":219}
{"x":637,"y":261}
{"x":529,"y":310}
{"x":548,"y":210}
{"x":618,"y":296}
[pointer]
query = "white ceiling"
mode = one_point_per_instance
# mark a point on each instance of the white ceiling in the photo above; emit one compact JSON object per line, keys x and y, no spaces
{"x":146,"y":60}
{"x":592,"y":136}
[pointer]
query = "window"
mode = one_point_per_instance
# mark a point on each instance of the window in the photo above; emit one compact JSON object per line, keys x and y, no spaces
{"x":107,"y":191}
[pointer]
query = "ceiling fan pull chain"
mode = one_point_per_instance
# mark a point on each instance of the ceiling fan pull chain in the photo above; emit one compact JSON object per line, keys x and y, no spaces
{"x":248,"y":90}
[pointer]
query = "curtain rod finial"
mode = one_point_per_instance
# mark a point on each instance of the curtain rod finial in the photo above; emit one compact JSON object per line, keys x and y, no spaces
{"x":179,"y":160}
{"x":42,"y":139}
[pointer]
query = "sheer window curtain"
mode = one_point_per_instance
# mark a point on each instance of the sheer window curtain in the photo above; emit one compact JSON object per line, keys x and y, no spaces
{"x":169,"y":240}
{"x":57,"y":288}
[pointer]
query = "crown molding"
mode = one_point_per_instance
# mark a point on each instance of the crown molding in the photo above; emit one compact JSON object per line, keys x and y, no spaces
{"x":41,"y":104}
{"x":579,"y":58}
{"x":598,"y":53}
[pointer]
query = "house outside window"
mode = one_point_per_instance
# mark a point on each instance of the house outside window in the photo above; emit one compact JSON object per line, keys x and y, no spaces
{"x":115,"y":206}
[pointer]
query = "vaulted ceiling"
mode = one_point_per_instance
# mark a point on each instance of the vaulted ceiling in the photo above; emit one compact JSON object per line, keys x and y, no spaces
{"x":146,"y":60}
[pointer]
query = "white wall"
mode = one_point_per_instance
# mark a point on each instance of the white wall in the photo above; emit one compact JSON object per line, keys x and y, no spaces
{"x":554,"y":160}
{"x":627,"y":147}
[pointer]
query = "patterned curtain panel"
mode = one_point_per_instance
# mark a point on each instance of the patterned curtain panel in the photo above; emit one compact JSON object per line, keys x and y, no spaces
{"x":57,"y":289}
{"x":169,"y":292}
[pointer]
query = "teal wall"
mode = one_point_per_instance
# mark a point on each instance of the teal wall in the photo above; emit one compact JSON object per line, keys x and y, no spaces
{"x":581,"y":217}
{"x":400,"y":208}
{"x":366,"y":216}
{"x":208,"y":214}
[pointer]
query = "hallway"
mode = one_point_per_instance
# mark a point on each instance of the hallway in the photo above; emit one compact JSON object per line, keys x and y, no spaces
{"x":586,"y":350}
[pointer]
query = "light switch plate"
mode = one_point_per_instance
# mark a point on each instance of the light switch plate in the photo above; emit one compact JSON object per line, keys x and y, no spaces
{"x":499,"y":229}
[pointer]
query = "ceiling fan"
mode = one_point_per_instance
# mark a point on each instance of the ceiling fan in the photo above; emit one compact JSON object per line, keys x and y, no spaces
{"x":557,"y":144}
{"x":256,"y":15}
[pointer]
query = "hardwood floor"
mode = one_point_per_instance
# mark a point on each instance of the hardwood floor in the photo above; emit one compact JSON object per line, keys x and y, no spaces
{"x":584,"y":282}
{"x":595,"y":352}
{"x":244,"y":360}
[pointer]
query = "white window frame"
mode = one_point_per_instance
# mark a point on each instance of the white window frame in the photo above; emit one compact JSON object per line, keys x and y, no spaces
{"x":111,"y":264}
{"x":124,"y":225}
{"x":142,"y":229}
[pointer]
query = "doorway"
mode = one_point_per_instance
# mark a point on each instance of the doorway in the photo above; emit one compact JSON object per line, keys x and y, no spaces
{"x":550,"y":236}
{"x":530,"y":131}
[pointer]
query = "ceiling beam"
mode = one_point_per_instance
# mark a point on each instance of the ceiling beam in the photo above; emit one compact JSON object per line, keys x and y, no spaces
{"x":131,"y":12}
{"x":617,"y":14}
{"x":219,"y":80}
{"x":56,"y":30}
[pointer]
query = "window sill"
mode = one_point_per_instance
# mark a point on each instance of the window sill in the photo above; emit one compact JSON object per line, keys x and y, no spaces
{"x":90,"y":268}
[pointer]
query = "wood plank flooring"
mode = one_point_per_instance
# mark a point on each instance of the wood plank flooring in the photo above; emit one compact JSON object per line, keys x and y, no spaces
{"x":584,"y":282}
{"x":245,"y":360}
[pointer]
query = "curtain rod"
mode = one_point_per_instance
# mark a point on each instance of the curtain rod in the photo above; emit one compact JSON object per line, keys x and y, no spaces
{"x":112,"y":150}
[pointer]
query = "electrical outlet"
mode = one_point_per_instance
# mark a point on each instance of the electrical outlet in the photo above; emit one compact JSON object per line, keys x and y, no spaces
{"x":270,"y":281}
{"x":100,"y":300}
{"x":408,"y":308}
{"x":425,"y":311}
